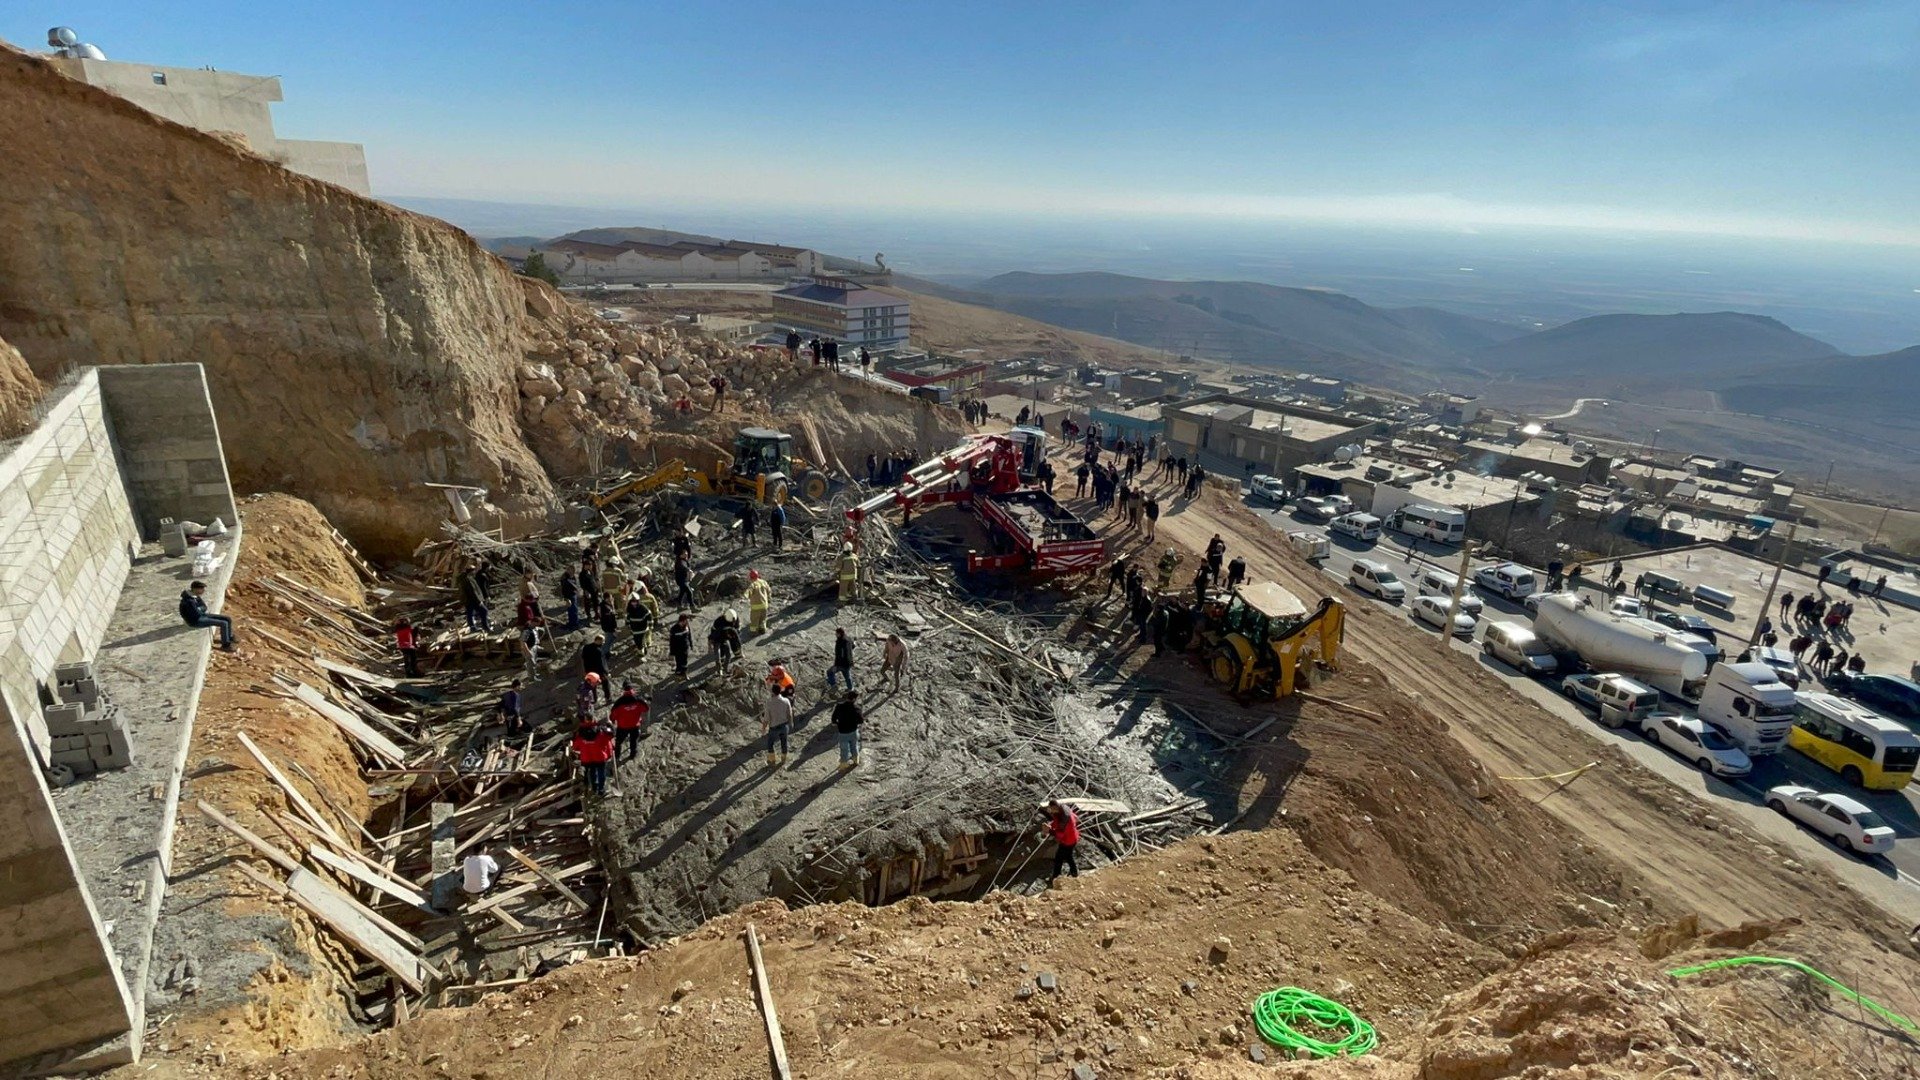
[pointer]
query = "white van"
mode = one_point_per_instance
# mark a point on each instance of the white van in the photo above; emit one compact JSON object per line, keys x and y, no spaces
{"x":1377,"y":578}
{"x":1510,"y":580}
{"x":1443,"y":523}
{"x":1435,"y":582}
{"x":1358,"y":526}
{"x":1517,"y":645}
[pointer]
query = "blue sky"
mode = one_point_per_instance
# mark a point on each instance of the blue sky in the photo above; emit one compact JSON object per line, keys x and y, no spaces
{"x":1791,"y":120}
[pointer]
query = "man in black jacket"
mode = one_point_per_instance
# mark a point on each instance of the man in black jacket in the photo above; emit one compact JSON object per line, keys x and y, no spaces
{"x":842,"y":660}
{"x":846,"y":720}
{"x":680,"y":644}
{"x":193,"y":612}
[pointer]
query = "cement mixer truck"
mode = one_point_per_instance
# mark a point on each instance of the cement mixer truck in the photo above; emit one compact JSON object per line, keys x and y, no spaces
{"x":1603,"y":641}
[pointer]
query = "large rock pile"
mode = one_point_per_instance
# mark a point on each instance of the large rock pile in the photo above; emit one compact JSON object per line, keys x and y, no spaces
{"x":19,"y":390}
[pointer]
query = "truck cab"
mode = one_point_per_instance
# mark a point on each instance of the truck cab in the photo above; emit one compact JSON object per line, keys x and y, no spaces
{"x":1750,"y":703}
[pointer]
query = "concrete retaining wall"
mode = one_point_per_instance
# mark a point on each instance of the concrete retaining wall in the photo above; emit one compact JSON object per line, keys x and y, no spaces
{"x":66,"y":536}
{"x":169,"y":444}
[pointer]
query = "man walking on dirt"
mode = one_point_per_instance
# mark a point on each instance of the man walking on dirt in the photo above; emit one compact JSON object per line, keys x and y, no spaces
{"x":683,"y":583}
{"x":847,"y":719}
{"x":680,"y":644}
{"x":1168,"y":563}
{"x":1236,"y":572}
{"x":1064,"y":826}
{"x":849,"y":573}
{"x":628,"y":714}
{"x":842,"y":658}
{"x":593,"y":661}
{"x":1216,"y":551}
{"x":641,"y":613}
{"x":776,"y":723}
{"x":893,"y":659}
{"x":1116,"y":575}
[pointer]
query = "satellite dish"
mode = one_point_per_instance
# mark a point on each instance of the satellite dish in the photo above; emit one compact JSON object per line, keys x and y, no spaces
{"x":62,"y":37}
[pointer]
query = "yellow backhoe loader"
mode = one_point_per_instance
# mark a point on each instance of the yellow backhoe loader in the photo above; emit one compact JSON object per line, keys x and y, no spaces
{"x":763,"y":467}
{"x":1264,"y":640}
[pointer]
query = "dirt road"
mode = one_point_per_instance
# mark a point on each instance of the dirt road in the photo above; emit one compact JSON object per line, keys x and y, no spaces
{"x":1709,"y":864}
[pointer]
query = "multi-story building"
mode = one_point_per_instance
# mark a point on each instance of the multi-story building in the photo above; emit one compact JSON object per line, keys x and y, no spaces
{"x":846,"y":311}
{"x":224,"y":103}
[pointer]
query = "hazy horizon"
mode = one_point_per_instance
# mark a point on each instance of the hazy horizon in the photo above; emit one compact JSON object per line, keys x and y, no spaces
{"x":1859,"y":298}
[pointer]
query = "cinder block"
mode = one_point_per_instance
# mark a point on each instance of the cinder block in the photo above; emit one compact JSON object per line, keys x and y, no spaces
{"x":74,"y":759}
{"x":112,"y":759}
{"x":64,"y":719}
{"x":83,"y":691}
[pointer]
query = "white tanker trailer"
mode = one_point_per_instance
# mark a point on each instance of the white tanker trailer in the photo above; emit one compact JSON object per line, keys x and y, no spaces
{"x":1604,"y":641}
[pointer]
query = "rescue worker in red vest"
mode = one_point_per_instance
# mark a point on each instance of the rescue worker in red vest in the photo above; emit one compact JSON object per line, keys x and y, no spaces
{"x":628,"y":714}
{"x":593,"y":743}
{"x":1064,"y":826}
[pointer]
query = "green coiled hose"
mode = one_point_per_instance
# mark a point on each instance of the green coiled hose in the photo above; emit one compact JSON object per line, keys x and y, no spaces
{"x":1280,"y":1014}
{"x":1844,"y":990}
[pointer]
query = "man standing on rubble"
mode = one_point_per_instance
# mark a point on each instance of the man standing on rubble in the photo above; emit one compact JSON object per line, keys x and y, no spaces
{"x":847,"y":718}
{"x":1116,"y":576}
{"x":629,"y":715}
{"x":680,"y":644}
{"x":776,"y":723}
{"x":683,"y":583}
{"x":777,"y":523}
{"x":593,"y":744}
{"x":793,"y":346}
{"x":530,"y":620}
{"x":1216,"y":551}
{"x":570,"y":592}
{"x":473,"y":594}
{"x":849,"y":572}
{"x":1201,"y":579}
{"x":593,"y":661}
{"x":842,"y":658}
{"x":609,"y":622}
{"x":1063,"y":824}
{"x":759,"y":596}
{"x":724,"y":639}
{"x":1236,"y":572}
{"x":510,"y":710}
{"x":641,"y":613}
{"x":749,"y":521}
{"x":893,"y":660}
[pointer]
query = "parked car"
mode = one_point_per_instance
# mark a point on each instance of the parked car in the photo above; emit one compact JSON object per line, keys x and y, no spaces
{"x":1706,"y":746}
{"x":1510,"y":580}
{"x":1359,"y":526}
{"x":1317,"y":508}
{"x":1840,"y":818}
{"x":1627,"y":605}
{"x":1440,"y":583}
{"x":1516,"y":644}
{"x":1780,"y":660}
{"x":1619,"y":701}
{"x":1686,"y":624}
{"x":1891,"y":694}
{"x":1377,"y":578}
{"x":1269,"y":488}
{"x":1432,"y":610}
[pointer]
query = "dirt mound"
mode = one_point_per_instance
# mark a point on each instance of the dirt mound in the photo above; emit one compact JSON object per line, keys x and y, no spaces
{"x":19,"y":390}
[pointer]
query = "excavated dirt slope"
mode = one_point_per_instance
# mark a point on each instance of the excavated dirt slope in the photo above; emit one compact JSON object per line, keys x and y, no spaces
{"x":19,"y":389}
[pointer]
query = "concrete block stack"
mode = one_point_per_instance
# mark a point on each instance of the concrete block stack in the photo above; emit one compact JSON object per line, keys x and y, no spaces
{"x":88,"y":734}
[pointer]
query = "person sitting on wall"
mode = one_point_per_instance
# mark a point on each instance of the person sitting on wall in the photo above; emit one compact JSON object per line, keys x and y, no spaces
{"x":193,"y":612}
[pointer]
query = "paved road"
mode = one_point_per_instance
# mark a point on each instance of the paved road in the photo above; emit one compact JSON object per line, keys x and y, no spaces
{"x":1577,"y":406}
{"x":1744,"y":796}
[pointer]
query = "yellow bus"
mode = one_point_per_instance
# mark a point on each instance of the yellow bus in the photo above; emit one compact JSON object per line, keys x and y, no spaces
{"x":1865,"y":748}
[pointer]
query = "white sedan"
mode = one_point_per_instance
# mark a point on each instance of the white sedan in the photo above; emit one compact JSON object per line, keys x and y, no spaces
{"x":1840,"y":818}
{"x":1432,"y":610}
{"x":1627,"y":605}
{"x":1699,"y":742}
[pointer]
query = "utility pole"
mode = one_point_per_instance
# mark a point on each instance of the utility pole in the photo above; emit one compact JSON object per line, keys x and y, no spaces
{"x":1779,"y":564}
{"x":1883,"y":524}
{"x":1459,"y":589}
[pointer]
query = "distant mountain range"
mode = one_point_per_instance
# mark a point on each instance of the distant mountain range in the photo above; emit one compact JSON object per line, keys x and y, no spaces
{"x":517,"y":247}
{"x":1684,"y":348}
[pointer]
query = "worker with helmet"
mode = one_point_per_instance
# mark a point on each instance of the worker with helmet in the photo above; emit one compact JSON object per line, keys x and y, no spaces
{"x":759,"y":595}
{"x":583,"y":699}
{"x":779,"y":678}
{"x":593,"y":664}
{"x":724,"y":639}
{"x":849,"y":572}
{"x":1167,"y":565}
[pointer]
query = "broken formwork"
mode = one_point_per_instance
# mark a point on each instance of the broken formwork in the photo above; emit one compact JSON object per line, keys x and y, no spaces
{"x":953,"y":767}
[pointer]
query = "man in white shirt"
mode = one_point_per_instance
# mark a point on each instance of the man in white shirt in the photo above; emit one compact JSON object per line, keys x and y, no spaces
{"x":477,"y":873}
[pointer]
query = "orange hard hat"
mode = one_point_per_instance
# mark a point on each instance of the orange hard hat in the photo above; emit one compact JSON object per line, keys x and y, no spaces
{"x":593,"y":678}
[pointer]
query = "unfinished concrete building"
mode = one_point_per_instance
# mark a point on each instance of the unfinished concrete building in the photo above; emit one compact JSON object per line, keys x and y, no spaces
{"x":98,"y":677}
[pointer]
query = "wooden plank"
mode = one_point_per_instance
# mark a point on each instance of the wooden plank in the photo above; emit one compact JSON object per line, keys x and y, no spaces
{"x":356,"y":674}
{"x":529,"y":863}
{"x":381,"y":746}
{"x":521,"y":890}
{"x":298,"y":800}
{"x":274,"y":855}
{"x":378,"y":882}
{"x":777,"y":1044}
{"x":441,"y":849}
{"x":347,"y":918}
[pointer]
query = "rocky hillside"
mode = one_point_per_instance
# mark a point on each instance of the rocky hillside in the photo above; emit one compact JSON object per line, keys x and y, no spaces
{"x":1686,"y":349}
{"x":353,"y":349}
{"x":19,"y":389}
